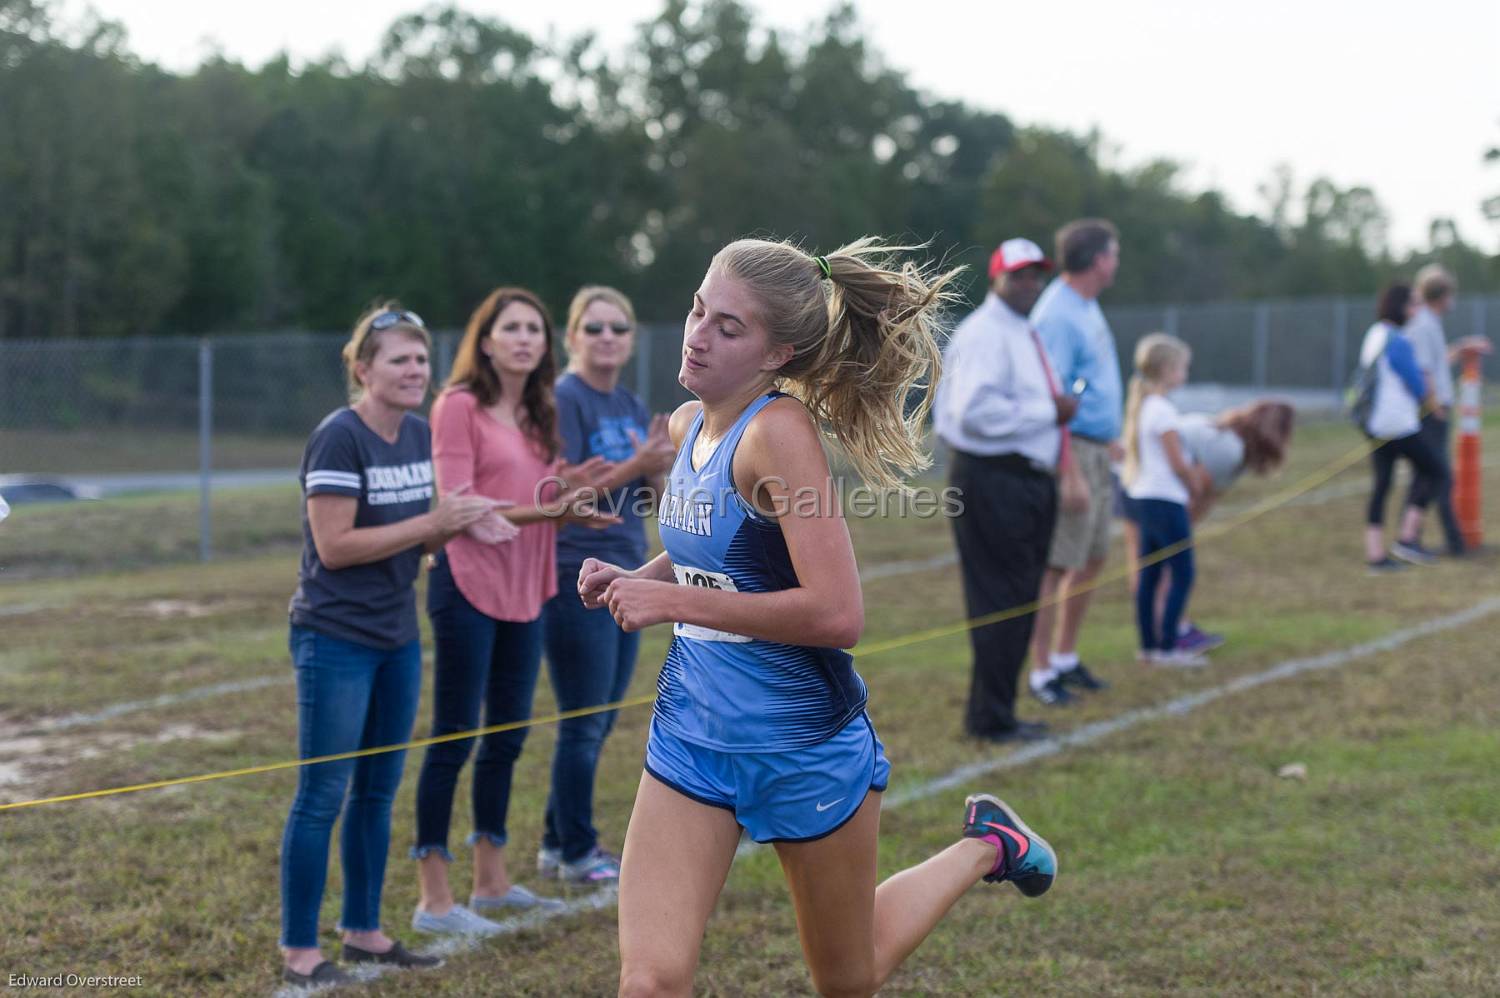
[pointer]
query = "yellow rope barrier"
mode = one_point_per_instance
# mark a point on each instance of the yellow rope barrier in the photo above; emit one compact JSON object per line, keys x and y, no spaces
{"x":1309,"y":483}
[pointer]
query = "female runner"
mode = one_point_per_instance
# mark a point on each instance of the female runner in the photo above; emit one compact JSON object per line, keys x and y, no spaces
{"x":760,"y":719}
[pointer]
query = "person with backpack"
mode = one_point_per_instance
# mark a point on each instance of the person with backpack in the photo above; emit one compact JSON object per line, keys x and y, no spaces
{"x":1388,"y":407}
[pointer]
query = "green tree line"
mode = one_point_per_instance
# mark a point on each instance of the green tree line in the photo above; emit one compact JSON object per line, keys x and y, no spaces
{"x":464,"y":154}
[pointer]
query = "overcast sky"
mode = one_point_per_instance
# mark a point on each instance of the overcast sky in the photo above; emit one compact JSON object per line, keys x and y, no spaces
{"x":1402,"y":97}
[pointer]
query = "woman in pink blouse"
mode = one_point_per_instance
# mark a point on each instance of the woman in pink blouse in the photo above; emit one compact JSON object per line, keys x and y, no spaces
{"x":494,"y":431}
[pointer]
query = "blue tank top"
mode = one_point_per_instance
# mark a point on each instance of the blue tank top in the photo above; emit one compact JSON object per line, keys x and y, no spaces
{"x":727,"y":691}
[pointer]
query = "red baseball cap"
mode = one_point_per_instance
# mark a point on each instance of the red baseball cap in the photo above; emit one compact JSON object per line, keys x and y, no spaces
{"x":1013,"y":254}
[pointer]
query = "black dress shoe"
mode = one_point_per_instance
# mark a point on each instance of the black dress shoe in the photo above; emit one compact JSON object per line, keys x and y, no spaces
{"x":1021,"y":731}
{"x":325,"y":975}
{"x":396,"y":956}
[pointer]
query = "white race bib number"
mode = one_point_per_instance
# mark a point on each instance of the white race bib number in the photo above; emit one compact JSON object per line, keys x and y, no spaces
{"x":687,"y":576}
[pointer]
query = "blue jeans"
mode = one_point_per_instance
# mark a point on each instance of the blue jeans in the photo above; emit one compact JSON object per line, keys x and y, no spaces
{"x":481,"y":663}
{"x":590,"y":660}
{"x":1162,"y":524}
{"x":349,"y":696}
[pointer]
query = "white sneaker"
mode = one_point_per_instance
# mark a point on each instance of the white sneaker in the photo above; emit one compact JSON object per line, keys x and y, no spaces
{"x":459,"y":921}
{"x":1178,"y":659}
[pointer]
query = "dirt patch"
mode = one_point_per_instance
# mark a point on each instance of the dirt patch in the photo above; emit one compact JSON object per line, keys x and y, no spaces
{"x":26,"y":759}
{"x":184,"y":609}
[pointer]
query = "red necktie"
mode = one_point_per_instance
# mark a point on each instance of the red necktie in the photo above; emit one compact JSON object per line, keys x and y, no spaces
{"x":1062,"y":450}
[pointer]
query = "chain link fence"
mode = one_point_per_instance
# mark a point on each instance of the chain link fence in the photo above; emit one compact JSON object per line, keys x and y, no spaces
{"x":196,"y":442}
{"x":1306,"y":343}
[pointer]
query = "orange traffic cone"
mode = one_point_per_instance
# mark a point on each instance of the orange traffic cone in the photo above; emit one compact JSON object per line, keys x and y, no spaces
{"x":1466,"y":484}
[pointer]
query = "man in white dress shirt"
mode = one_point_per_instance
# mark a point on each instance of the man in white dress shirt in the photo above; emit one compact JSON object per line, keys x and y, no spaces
{"x":1001,"y":410}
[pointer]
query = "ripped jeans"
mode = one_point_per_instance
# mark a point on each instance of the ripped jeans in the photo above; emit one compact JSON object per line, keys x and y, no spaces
{"x":349,"y":696}
{"x":483,"y":665}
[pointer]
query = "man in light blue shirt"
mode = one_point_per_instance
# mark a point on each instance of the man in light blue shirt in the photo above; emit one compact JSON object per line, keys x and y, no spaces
{"x":1082,"y":349}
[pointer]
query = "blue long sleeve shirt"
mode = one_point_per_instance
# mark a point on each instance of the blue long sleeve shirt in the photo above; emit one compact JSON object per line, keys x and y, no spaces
{"x":1403,"y":360}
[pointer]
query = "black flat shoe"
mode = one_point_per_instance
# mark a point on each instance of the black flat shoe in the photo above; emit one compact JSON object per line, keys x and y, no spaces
{"x":1023,"y":731}
{"x":396,"y":956}
{"x":325,"y":975}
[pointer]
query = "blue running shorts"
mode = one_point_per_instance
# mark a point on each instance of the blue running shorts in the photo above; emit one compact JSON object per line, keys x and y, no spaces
{"x":795,"y":796}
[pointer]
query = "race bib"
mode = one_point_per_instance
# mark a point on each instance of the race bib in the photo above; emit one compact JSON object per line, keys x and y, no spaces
{"x":687,"y":576}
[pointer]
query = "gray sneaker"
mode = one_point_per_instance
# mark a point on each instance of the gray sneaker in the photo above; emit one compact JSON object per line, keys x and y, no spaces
{"x":459,"y":921}
{"x":1178,"y":658}
{"x":596,"y":867}
{"x":516,"y":899}
{"x":1413,"y":553}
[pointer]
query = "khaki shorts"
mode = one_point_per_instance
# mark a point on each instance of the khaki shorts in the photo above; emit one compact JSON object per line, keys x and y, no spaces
{"x":1084,"y":537}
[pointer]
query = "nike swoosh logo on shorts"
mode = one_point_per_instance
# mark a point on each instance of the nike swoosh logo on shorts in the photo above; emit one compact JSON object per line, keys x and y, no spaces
{"x":824,"y":807}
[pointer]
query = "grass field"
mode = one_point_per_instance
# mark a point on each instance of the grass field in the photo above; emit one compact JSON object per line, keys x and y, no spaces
{"x":1187,"y":865}
{"x":105,"y":450}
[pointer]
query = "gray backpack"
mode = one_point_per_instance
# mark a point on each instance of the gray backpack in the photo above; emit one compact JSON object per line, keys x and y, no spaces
{"x":1359,"y":395}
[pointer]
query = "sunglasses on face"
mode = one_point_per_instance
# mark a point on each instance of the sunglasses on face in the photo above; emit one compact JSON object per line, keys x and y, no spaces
{"x":385,"y":320}
{"x":618,"y":328}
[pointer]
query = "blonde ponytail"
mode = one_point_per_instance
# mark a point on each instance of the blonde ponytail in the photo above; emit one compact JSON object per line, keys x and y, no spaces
{"x":1156,"y":355}
{"x":863,"y":334}
{"x":1133,"y":397}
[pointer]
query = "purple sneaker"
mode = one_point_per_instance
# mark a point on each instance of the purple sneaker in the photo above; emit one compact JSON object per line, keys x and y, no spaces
{"x":1197,"y":642}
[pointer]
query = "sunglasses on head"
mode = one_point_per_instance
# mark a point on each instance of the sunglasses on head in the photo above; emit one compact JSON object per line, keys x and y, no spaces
{"x":618,"y":328}
{"x":385,"y":320}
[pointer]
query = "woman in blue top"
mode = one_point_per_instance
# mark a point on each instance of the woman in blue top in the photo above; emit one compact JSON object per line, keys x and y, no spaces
{"x":760,"y":718}
{"x":1402,"y":395}
{"x":589,"y":657}
{"x":367,"y":488}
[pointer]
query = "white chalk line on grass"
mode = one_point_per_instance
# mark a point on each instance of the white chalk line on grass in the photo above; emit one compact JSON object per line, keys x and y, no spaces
{"x":966,"y":775}
{"x":47,"y":726}
{"x":22,"y":609}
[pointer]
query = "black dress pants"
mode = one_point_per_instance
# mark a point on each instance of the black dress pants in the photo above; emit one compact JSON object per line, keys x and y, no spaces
{"x":1003,"y":534}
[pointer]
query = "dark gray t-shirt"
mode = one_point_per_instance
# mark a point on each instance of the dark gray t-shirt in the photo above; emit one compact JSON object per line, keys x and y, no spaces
{"x":592,"y":422}
{"x":372,"y":604}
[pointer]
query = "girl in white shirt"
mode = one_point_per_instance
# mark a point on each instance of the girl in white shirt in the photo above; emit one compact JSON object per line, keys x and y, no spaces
{"x":1163,"y":482}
